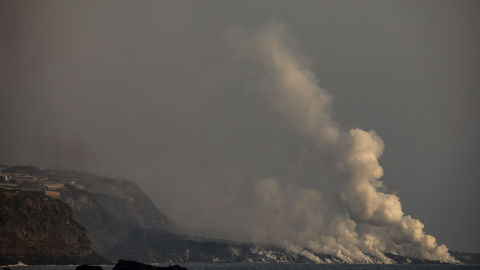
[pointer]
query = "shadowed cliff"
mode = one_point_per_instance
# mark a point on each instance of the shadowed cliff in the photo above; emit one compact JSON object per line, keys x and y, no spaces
{"x":36,"y":229}
{"x":108,"y":208}
{"x":111,"y":208}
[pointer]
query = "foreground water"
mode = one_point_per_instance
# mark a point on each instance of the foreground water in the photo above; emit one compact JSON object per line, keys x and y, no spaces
{"x":278,"y":266}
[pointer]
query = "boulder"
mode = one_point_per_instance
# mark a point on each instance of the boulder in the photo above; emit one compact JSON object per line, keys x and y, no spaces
{"x":89,"y":267}
{"x":133,"y":265}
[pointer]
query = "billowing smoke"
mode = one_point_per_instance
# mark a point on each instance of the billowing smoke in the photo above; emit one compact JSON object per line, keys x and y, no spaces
{"x":228,"y":130}
{"x":362,"y":219}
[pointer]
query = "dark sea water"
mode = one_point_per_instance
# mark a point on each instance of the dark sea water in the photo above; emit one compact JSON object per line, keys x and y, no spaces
{"x":278,"y":266}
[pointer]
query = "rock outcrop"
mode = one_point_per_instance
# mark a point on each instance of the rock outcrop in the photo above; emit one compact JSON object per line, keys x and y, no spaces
{"x":36,"y":229}
{"x":133,"y":265}
{"x":89,"y":267}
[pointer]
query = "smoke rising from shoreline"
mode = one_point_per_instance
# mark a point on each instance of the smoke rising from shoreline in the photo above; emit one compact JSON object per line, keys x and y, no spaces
{"x":295,"y":215}
{"x":207,"y":118}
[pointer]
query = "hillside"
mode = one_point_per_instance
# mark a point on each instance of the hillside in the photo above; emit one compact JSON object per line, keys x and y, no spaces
{"x":108,"y":208}
{"x":115,"y":218}
{"x":36,"y":229}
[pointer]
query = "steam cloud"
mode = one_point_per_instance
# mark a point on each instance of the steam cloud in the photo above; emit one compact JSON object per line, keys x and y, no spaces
{"x":231,"y":135}
{"x":302,"y":216}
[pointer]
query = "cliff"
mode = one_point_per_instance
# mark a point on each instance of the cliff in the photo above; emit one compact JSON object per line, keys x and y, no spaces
{"x":121,"y":222}
{"x":108,"y":208}
{"x":36,"y":229}
{"x":111,"y":209}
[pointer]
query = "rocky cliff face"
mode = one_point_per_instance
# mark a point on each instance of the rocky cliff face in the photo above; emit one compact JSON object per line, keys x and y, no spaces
{"x":35,"y":229}
{"x":110,"y":209}
{"x":103,"y":228}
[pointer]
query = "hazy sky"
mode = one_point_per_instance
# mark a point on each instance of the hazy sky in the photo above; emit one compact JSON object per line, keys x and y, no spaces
{"x":155,"y":91}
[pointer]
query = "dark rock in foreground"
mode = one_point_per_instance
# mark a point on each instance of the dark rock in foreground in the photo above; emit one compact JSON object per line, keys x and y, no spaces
{"x":133,"y":265}
{"x":89,"y":267}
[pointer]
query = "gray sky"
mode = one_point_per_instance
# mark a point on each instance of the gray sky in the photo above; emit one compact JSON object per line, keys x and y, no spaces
{"x":150,"y":92}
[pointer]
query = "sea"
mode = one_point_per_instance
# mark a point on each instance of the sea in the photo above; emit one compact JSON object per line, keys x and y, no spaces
{"x":275,"y":266}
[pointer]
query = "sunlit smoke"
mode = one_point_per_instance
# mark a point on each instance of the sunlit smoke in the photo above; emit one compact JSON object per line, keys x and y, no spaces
{"x":298,"y":216}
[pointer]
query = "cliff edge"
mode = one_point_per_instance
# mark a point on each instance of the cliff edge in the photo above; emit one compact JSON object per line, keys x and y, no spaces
{"x":36,"y":229}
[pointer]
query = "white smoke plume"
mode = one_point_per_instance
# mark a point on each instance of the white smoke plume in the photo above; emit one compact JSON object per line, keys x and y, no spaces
{"x":298,"y":215}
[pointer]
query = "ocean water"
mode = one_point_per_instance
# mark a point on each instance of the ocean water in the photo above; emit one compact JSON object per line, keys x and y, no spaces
{"x":277,"y":266}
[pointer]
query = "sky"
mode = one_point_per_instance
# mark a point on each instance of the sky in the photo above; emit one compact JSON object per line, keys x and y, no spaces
{"x":198,"y":102}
